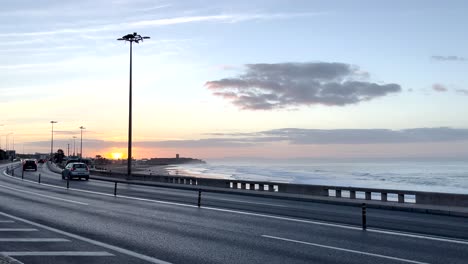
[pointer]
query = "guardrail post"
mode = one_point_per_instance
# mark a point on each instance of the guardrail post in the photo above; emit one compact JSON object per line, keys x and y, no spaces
{"x":364,"y":219}
{"x":352,"y":194}
{"x":384,"y":197}
{"x":115,"y":189}
{"x":401,"y":198}
{"x":338,"y":193}
{"x":39,"y":180}
{"x":199,"y":198}
{"x":368,"y":196}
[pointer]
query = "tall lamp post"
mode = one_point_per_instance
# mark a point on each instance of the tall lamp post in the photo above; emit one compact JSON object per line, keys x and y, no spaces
{"x":74,"y":149}
{"x":81,"y":142}
{"x":8,"y":141}
{"x":52,"y":140}
{"x":1,"y":138}
{"x":131,"y":38}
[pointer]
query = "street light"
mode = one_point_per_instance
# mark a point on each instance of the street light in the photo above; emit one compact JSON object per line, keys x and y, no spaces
{"x":52,"y":140}
{"x":131,"y":38}
{"x":8,"y":141}
{"x":81,"y":144}
{"x":74,"y":146}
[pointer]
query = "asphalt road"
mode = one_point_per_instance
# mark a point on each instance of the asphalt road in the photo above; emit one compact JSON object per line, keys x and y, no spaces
{"x":151,"y":225}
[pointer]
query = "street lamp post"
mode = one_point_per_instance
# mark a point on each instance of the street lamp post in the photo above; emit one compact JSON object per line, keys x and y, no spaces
{"x":52,"y":140}
{"x":131,"y":38}
{"x":74,"y":146}
{"x":8,"y":141}
{"x":81,"y":142}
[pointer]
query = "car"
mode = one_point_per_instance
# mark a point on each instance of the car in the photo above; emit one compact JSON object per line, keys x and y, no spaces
{"x":29,"y":164}
{"x":41,"y":161}
{"x":75,"y":170}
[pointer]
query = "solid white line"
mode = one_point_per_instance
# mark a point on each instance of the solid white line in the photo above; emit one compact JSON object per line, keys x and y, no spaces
{"x":34,"y":240}
{"x":388,"y":232}
{"x":283,"y":218}
{"x":346,"y":250}
{"x":7,"y":221}
{"x":435,"y":238}
{"x":17,"y":229}
{"x":43,"y":195}
{"x":91,"y":241}
{"x":57,"y":253}
{"x":240,"y":201}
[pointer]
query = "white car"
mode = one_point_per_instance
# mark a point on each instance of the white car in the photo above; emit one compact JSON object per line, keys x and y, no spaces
{"x":76,"y":170}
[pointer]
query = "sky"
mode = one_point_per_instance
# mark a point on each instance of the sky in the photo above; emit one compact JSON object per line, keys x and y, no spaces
{"x":237,"y":79}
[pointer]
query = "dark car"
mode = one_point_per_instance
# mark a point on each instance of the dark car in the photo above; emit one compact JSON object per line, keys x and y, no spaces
{"x":30,"y":164}
{"x":76,"y":170}
{"x":41,"y":161}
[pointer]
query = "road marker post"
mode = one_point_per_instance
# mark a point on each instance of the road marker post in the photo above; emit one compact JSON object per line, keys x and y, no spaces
{"x":68,"y":181}
{"x":364,"y":217}
{"x":199,"y":197}
{"x":22,"y":174}
{"x":39,"y":180}
{"x":115,"y":189}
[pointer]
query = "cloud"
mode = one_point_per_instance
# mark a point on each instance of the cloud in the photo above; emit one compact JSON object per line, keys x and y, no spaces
{"x":294,"y":136}
{"x":439,"y":87}
{"x":368,"y":136}
{"x":223,"y":18}
{"x":64,"y":132}
{"x":284,"y":85}
{"x":462,"y":91}
{"x":448,"y":58}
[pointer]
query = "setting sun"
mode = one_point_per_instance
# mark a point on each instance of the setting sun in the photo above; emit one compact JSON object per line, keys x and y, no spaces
{"x":116,"y":155}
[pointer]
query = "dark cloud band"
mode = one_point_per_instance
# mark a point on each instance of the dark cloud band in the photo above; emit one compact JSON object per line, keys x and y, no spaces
{"x":283,"y":85}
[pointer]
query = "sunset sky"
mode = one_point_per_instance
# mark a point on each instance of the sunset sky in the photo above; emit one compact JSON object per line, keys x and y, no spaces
{"x":274,"y":79}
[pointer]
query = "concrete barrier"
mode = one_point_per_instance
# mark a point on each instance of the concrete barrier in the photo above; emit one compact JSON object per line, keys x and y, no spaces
{"x":341,"y":192}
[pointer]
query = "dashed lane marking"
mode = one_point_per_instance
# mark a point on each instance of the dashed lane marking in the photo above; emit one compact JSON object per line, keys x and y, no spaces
{"x":34,"y":240}
{"x":57,"y":253}
{"x":17,"y":229}
{"x":88,"y":240}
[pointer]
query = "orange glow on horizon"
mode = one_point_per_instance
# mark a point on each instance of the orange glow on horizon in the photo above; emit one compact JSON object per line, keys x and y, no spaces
{"x":116,"y":155}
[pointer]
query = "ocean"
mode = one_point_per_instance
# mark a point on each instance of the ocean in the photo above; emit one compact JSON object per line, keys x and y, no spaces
{"x":443,"y":176}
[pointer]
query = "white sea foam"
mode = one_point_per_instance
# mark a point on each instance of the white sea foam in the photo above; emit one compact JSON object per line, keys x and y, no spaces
{"x":451,"y":177}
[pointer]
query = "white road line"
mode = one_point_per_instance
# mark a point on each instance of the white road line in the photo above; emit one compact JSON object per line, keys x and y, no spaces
{"x":240,"y":201}
{"x":91,"y":241}
{"x":34,"y":240}
{"x":57,"y":253}
{"x":43,"y":195}
{"x":435,"y":238}
{"x":346,"y":250}
{"x":283,"y":218}
{"x":388,"y":232}
{"x":17,"y":229}
{"x":7,"y":221}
